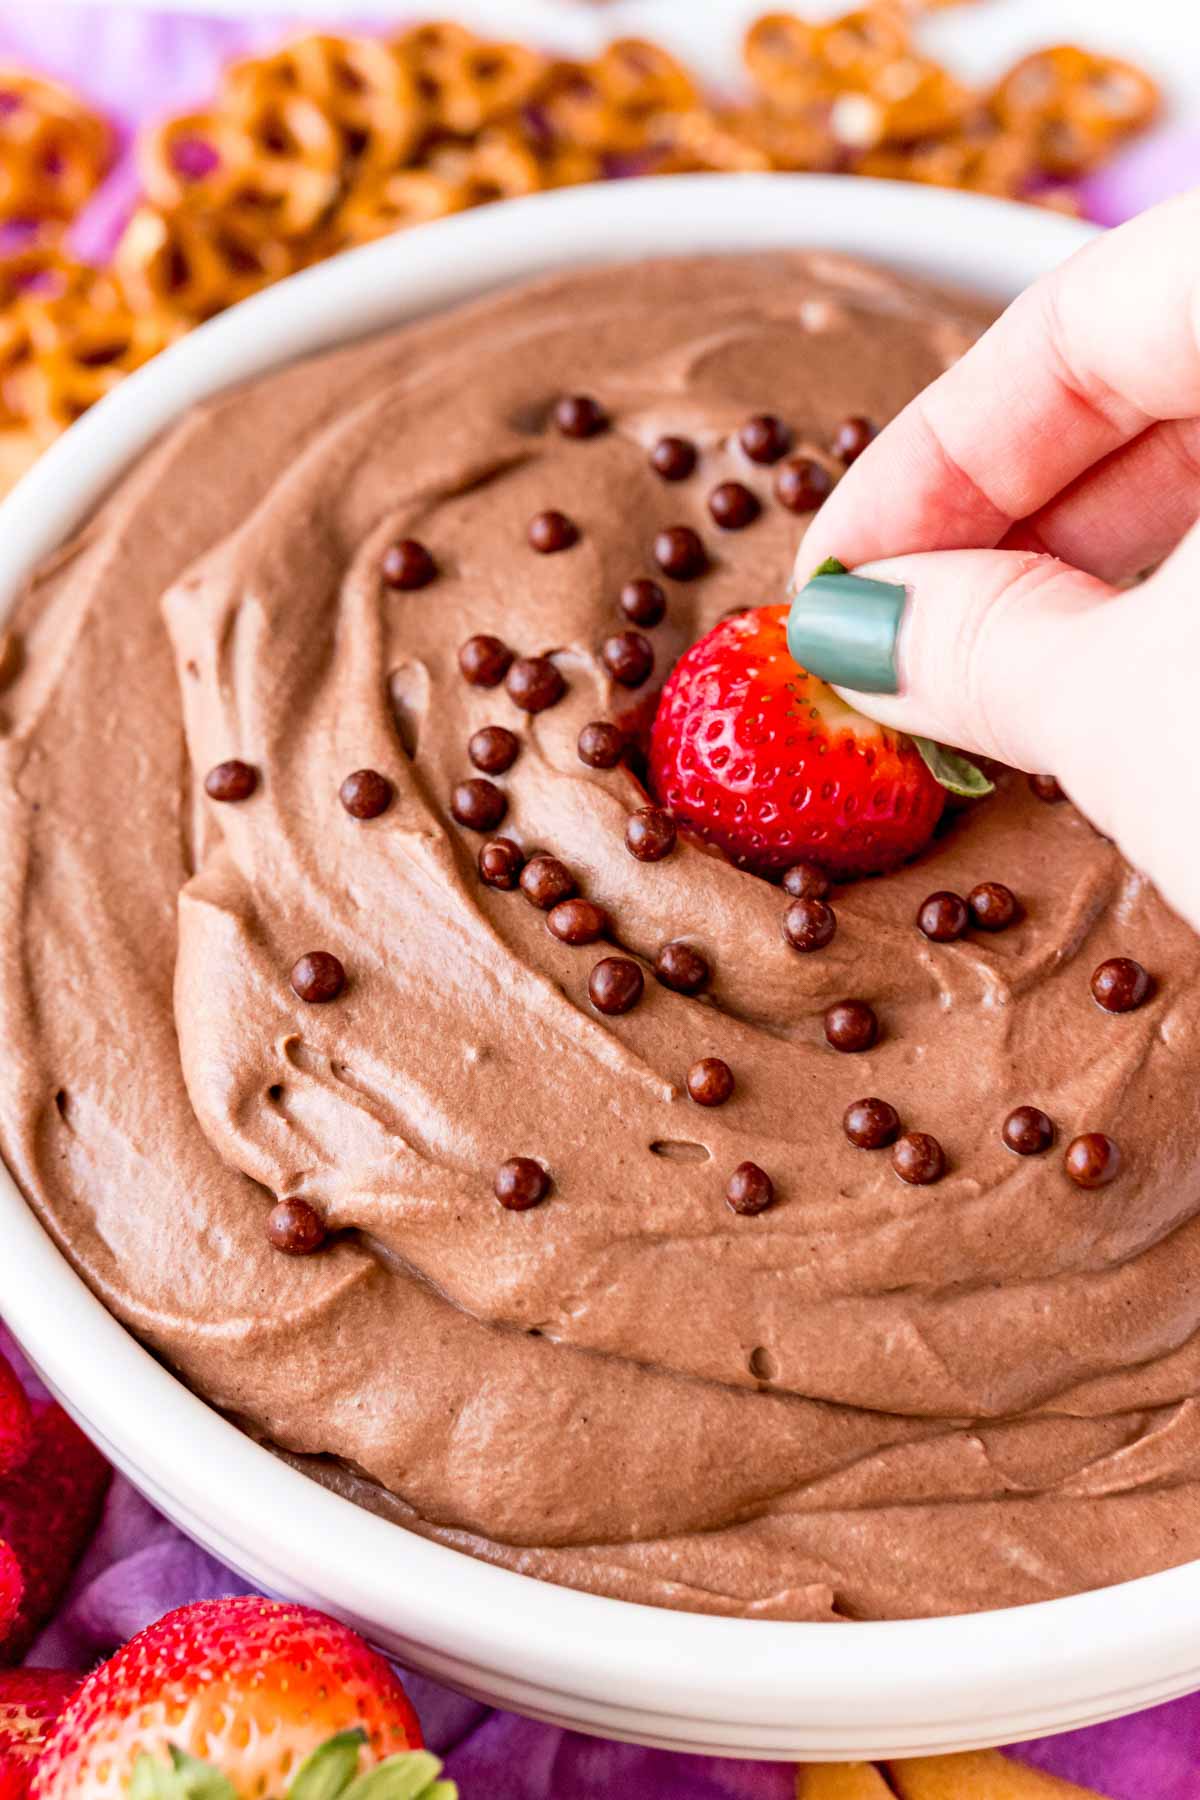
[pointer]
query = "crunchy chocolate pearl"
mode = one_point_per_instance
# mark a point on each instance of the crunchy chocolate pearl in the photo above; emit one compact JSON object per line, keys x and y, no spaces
{"x":943,"y":917}
{"x":552,"y":531}
{"x":484,"y":661}
{"x":765,"y":438}
{"x":628,"y":658}
{"x":643,"y":602}
{"x":684,"y":970}
{"x":534,"y":683}
{"x":318,"y":977}
{"x":601,"y":745}
{"x":545,"y":882}
{"x":852,"y":437}
{"x":1046,"y":788}
{"x":1120,"y":984}
{"x":366,"y":793}
{"x":804,"y":881}
{"x":1092,"y":1160}
{"x":500,"y":863}
{"x":733,"y":506}
{"x":616,"y":985}
{"x":802,"y":484}
{"x":871,"y":1124}
{"x":577,"y":921}
{"x":918,"y":1158}
{"x":294,"y":1227}
{"x":673,"y":458}
{"x":679,"y":553}
{"x":479,"y":805}
{"x":750,"y":1190}
{"x":650,"y":834}
{"x":493,"y":749}
{"x":710,"y":1081}
{"x":1028,"y":1131}
{"x":809,"y":924}
{"x":992,"y":906}
{"x":851,"y":1026}
{"x":521,"y":1183}
{"x":231,"y":780}
{"x":579,"y":416}
{"x":408,"y":565}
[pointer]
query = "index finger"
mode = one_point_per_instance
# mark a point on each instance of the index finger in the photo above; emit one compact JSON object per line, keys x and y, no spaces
{"x":1083,"y":362}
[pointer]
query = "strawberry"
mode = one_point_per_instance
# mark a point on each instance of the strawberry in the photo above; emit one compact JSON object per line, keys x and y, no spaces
{"x":30,"y":1701}
{"x":16,"y":1420}
{"x":48,"y":1511}
{"x":755,"y":755}
{"x":278,"y":1700}
{"x":12,"y":1588}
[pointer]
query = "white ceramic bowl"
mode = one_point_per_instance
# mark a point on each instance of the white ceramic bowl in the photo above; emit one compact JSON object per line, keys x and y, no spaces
{"x":724,"y":1686}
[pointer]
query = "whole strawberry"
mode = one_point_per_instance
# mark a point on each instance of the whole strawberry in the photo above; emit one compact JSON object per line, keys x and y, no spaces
{"x":241,"y":1699}
{"x":30,"y":1702}
{"x":754,"y":754}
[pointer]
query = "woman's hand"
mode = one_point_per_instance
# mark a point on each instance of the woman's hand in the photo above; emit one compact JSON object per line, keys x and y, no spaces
{"x":1057,"y":460}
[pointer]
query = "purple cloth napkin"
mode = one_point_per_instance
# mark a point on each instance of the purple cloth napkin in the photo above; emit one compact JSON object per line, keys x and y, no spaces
{"x":137,"y":65}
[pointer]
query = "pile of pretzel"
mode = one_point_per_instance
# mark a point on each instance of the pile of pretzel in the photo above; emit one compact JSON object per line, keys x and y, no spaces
{"x":332,"y":141}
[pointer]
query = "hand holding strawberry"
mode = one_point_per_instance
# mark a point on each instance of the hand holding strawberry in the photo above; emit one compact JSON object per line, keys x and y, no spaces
{"x":241,"y":1699}
{"x":755,"y":755}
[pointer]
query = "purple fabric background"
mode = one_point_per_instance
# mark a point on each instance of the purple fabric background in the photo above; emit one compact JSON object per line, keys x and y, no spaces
{"x":138,"y":65}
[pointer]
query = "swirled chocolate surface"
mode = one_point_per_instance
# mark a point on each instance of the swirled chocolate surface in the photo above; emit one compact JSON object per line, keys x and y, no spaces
{"x":871,"y":1399}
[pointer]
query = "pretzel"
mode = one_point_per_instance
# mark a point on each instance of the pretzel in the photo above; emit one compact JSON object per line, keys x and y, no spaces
{"x":780,"y":52}
{"x":465,"y":82}
{"x":1078,"y":105}
{"x":62,"y":354}
{"x":54,"y":152}
{"x":906,"y":100}
{"x":611,"y":105}
{"x":189,"y":267}
{"x":499,"y":166}
{"x":409,"y":197}
{"x":983,"y":160}
{"x":367,"y":93}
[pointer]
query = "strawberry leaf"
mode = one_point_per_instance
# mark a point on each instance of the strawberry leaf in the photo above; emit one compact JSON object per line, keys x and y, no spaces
{"x":199,"y":1780}
{"x":831,"y":566}
{"x":413,"y":1775}
{"x":328,"y":1772}
{"x":153,"y":1780}
{"x":183,"y":1778}
{"x":956,"y":773}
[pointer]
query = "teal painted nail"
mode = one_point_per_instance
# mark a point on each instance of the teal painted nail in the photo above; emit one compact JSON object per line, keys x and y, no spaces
{"x":844,"y":627}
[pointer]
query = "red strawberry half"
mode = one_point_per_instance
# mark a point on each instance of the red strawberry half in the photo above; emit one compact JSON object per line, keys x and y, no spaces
{"x":48,"y":1511}
{"x":755,"y":755}
{"x":235,"y":1699}
{"x":30,"y":1701}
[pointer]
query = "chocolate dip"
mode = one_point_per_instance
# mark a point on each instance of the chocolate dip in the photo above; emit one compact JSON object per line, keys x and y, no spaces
{"x":870,"y":1399}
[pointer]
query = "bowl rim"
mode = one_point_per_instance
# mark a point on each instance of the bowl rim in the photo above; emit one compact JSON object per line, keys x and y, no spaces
{"x":902,"y":1684}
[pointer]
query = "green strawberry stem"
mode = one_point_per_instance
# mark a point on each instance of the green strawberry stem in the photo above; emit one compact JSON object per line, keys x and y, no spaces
{"x":329,"y":1773}
{"x":956,"y":773}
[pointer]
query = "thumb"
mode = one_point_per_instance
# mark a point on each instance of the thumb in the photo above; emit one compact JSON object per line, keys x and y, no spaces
{"x":992,"y":651}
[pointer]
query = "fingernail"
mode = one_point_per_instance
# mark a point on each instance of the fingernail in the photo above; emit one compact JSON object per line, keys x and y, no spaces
{"x":844,"y":629}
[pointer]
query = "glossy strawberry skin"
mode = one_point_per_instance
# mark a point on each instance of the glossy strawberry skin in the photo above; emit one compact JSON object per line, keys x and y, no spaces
{"x":249,"y":1685}
{"x":757,"y":756}
{"x":30,"y":1701}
